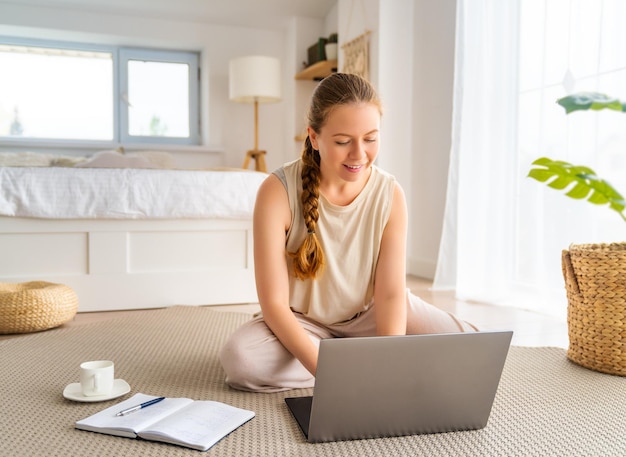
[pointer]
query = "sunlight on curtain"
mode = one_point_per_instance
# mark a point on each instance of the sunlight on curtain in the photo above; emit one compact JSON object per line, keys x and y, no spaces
{"x":503,"y":233}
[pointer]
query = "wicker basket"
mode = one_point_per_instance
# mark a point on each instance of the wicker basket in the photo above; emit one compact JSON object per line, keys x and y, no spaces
{"x":595,"y":281}
{"x":34,"y":306}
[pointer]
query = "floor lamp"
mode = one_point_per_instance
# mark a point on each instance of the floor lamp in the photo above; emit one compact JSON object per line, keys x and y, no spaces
{"x":255,"y":79}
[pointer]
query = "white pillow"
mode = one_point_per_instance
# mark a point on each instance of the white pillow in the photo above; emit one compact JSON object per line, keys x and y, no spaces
{"x":114,"y":159}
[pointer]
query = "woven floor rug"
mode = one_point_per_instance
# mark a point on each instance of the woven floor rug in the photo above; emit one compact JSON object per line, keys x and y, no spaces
{"x":545,"y":405}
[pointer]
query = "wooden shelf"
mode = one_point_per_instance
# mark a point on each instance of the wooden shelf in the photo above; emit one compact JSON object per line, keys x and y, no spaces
{"x":318,"y":70}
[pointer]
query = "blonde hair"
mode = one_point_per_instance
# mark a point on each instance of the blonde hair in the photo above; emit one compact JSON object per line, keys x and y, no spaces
{"x":335,"y":90}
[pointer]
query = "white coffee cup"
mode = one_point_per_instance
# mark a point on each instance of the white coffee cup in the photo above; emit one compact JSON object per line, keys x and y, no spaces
{"x":96,"y":377}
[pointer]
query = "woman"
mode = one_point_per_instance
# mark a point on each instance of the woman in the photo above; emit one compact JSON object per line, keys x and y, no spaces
{"x":329,"y":249}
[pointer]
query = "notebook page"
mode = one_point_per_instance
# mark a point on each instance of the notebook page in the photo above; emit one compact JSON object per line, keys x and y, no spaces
{"x":107,"y":421}
{"x":199,"y":425}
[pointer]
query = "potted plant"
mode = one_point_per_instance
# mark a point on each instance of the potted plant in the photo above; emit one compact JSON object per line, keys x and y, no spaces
{"x":331,"y":47}
{"x":595,"y":274}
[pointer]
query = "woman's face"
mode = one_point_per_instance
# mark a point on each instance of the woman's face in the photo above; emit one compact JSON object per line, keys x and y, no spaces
{"x":348,"y":142}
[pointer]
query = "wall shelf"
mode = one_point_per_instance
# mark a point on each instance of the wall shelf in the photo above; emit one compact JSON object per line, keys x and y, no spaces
{"x":318,"y":70}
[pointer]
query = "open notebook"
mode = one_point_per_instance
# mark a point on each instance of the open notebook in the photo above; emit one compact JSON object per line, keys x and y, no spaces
{"x":181,"y":421}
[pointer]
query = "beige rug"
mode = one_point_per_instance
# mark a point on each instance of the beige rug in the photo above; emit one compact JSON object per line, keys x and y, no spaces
{"x":545,"y":405}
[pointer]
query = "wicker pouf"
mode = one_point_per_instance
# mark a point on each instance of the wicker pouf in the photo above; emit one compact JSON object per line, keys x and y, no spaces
{"x":595,"y":281}
{"x":34,"y":306}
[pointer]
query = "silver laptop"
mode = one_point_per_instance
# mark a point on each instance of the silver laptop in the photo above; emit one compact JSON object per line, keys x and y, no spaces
{"x":371,"y":387}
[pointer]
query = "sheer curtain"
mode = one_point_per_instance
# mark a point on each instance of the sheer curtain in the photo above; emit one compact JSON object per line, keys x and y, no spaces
{"x":503,"y":232}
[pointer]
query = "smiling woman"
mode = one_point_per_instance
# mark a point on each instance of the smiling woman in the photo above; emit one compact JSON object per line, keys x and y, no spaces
{"x":329,"y":248}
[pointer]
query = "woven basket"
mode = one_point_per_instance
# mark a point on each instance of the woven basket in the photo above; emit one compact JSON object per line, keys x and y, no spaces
{"x":595,"y":281}
{"x":34,"y":306}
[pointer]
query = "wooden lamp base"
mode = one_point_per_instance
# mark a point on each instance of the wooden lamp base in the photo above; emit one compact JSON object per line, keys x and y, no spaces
{"x":259,"y":160}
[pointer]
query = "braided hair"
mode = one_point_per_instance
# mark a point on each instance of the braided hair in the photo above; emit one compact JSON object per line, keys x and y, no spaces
{"x":333,"y":91}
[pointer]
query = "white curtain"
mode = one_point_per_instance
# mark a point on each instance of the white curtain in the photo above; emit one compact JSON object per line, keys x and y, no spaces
{"x":503,"y":232}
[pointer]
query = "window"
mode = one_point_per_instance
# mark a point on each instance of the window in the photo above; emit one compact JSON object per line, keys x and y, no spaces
{"x":158,"y":95}
{"x":82,"y":93}
{"x":504,"y":233}
{"x":566,"y":47}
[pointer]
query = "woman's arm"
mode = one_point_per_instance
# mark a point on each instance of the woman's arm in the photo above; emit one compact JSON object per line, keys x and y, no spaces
{"x":390,"y":281}
{"x":272,"y":218}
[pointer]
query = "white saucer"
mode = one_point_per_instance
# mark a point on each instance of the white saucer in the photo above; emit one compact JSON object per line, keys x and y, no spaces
{"x":74,"y":392}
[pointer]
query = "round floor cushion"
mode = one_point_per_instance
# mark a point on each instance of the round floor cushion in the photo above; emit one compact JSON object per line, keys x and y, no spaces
{"x":34,"y":306}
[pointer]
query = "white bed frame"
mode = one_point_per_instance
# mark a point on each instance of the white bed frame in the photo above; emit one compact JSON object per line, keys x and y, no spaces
{"x":132,"y":264}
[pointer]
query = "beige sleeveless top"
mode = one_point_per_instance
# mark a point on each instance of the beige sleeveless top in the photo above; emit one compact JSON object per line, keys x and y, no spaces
{"x":350,"y":236}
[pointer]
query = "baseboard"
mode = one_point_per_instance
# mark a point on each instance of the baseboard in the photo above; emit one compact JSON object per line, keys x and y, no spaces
{"x":422,"y":268}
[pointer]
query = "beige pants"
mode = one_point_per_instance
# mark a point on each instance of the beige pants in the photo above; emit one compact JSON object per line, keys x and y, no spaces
{"x":255,"y":360}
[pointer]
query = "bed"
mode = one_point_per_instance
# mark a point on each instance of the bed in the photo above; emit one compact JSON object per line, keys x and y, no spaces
{"x":130,"y":238}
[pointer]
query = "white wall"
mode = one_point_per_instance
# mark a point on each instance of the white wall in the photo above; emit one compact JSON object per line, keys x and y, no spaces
{"x":396,"y":87}
{"x":431,"y":132}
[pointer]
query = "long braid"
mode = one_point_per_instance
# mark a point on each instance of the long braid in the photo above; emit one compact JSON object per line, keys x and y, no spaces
{"x":308,"y":260}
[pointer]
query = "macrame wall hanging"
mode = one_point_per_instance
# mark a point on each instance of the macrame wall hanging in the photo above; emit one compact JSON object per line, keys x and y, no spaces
{"x":356,"y":56}
{"x":356,"y":51}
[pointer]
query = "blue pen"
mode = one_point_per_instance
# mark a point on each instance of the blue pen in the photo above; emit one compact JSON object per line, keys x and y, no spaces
{"x":138,"y":407}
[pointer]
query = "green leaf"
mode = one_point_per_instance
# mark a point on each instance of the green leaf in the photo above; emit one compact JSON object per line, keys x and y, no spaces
{"x":580,"y":182}
{"x":561,"y":182}
{"x":590,"y":101}
{"x":579,"y":191}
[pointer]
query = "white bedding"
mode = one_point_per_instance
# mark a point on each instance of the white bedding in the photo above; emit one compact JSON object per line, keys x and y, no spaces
{"x":90,"y":193}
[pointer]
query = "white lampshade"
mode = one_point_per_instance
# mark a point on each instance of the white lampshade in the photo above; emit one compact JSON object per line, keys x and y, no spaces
{"x":254,"y":78}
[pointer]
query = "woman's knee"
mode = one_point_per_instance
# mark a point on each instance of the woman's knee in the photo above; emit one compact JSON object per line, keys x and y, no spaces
{"x":238,"y":360}
{"x":426,"y":318}
{"x":230,"y":356}
{"x":254,"y":360}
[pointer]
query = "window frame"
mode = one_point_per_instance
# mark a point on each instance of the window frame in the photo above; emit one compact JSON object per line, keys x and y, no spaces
{"x":120,"y":132}
{"x":152,"y":55}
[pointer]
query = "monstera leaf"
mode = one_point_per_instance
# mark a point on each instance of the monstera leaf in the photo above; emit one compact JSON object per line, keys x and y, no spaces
{"x":579,"y":182}
{"x":590,"y":101}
